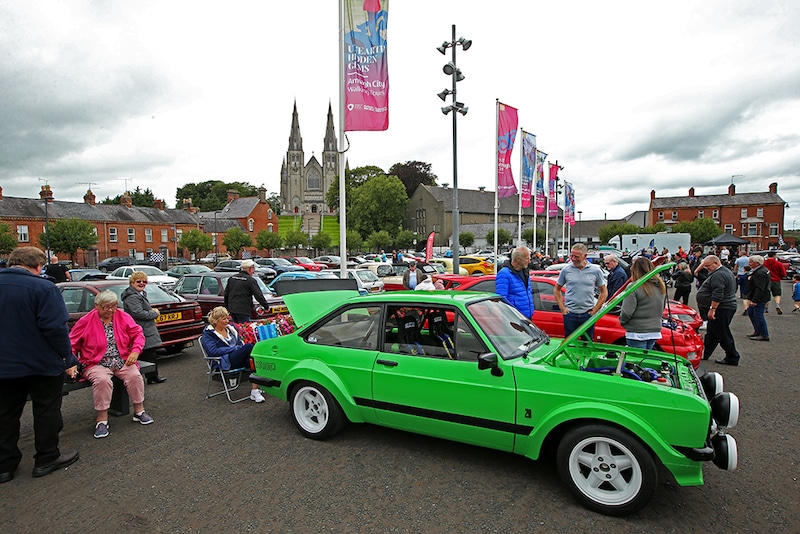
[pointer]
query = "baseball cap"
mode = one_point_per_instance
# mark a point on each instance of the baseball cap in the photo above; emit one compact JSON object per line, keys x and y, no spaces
{"x":246,"y":264}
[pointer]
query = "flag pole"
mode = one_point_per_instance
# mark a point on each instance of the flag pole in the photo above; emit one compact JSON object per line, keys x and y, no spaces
{"x":533,"y":193}
{"x":341,"y":151}
{"x":547,"y":208}
{"x":496,"y":177}
{"x":519,"y":210}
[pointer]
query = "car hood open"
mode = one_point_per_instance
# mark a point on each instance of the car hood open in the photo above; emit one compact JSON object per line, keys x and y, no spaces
{"x":309,"y":299}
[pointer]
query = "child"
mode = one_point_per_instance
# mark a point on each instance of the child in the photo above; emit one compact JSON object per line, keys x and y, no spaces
{"x":796,"y":293}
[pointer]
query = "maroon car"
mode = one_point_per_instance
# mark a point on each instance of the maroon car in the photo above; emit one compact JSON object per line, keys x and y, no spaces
{"x":208,"y":289}
{"x":180,"y":322}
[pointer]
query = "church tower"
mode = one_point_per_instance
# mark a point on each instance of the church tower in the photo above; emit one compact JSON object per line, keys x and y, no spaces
{"x":292,"y":170}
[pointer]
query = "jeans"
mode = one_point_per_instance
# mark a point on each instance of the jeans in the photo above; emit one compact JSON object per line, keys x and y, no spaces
{"x":742,"y":281}
{"x":641,"y":343}
{"x":756,"y":313}
{"x":573,"y":320}
{"x":718,"y":332}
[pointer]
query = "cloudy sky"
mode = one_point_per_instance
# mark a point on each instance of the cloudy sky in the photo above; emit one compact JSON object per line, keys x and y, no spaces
{"x":628,"y":96}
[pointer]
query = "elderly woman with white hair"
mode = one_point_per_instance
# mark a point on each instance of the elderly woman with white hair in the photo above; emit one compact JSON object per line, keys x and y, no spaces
{"x":107,"y":341}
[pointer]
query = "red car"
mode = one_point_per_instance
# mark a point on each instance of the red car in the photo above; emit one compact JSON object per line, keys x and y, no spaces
{"x":682,"y":340}
{"x":306,"y":263}
{"x":180,"y":322}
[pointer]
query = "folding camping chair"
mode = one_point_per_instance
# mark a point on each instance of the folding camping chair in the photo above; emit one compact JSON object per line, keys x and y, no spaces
{"x":231,"y":379}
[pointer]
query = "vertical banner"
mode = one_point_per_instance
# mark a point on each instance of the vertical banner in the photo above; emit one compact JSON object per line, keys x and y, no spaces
{"x":569,"y":204}
{"x":506,"y":134}
{"x":551,"y":188}
{"x":366,"y":69}
{"x":540,"y":157}
{"x":528,"y":167}
{"x":429,"y":247}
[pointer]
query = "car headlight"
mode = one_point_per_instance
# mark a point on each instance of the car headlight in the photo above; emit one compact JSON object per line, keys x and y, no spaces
{"x":726,"y":453}
{"x":725,"y":409}
{"x":712,"y":384}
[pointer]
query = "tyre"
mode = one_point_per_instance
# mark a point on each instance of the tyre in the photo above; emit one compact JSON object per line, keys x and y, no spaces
{"x":315,"y":412}
{"x":606,"y":469}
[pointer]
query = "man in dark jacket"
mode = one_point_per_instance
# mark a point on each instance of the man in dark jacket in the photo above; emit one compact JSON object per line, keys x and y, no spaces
{"x":758,"y":296}
{"x":616,"y":274}
{"x":239,"y":293}
{"x":716,"y":299}
{"x":33,"y":359}
{"x":513,"y":281}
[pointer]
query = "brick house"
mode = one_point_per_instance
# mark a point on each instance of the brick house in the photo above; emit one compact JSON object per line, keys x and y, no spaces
{"x":250,"y":214}
{"x":757,"y":217}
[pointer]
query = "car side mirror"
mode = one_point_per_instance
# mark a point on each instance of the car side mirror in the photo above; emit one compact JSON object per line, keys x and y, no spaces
{"x":489,"y":361}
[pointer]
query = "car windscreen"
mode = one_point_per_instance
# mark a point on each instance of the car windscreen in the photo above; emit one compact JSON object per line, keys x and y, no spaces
{"x":511,"y":334}
{"x":155,"y":294}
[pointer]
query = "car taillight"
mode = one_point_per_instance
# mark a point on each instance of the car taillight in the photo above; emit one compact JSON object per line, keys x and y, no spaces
{"x":198,"y":313}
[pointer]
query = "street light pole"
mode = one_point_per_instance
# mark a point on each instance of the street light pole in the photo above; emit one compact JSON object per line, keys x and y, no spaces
{"x":216,"y":238}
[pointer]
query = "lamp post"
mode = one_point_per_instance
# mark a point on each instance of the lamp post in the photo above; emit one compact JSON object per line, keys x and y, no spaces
{"x":216,"y":238}
{"x":456,"y":107}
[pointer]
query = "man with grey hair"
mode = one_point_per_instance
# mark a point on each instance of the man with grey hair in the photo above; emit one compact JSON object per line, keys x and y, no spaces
{"x":581,"y":278}
{"x":758,"y":295}
{"x":716,"y":299}
{"x":616,"y":274}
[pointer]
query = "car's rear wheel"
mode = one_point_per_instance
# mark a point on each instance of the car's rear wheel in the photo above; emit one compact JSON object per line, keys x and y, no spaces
{"x":606,"y":469}
{"x":315,"y":412}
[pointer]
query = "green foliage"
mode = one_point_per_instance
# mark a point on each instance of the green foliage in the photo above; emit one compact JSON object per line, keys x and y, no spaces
{"x":235,"y":240}
{"x":353,"y":240}
{"x":142,"y":199}
{"x":378,"y":204}
{"x":196,"y":242}
{"x":404,"y":239}
{"x":466,"y":239}
{"x":321,"y":242}
{"x":353,"y":178}
{"x":274,"y":201}
{"x":527,"y":235}
{"x":266,"y":240}
{"x":654,"y":229}
{"x":68,"y":235}
{"x":616,"y":229}
{"x":702,"y":230}
{"x":412,"y":174}
{"x":503,"y":237}
{"x":295,"y":238}
{"x":212,"y":195}
{"x":380,"y":240}
{"x":8,"y":239}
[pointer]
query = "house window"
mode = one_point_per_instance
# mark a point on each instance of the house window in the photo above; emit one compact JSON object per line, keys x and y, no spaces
{"x":251,"y":224}
{"x":164,"y":235}
{"x":95,"y":231}
{"x":22,"y":233}
{"x":112,"y":235}
{"x":715,"y":214}
{"x":760,"y":213}
{"x":773,"y":229}
{"x":744,"y":213}
{"x":660,"y":215}
{"x":674,"y":215}
{"x":701,"y":214}
{"x":131,"y":235}
{"x":728,"y":228}
{"x":178,"y":235}
{"x":752,"y":229}
{"x":313,"y":179}
{"x":148,"y":235}
{"x":269,"y":228}
{"x":269,"y":214}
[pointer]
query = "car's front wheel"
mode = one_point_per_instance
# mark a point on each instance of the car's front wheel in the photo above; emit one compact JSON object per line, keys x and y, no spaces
{"x":606,"y":469}
{"x":315,"y":412}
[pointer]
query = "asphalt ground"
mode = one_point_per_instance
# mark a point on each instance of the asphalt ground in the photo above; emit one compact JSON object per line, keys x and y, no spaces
{"x":207,"y":466}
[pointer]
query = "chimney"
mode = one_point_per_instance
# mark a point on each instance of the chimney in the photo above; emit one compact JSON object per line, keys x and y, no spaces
{"x":89,"y":197}
{"x":187,"y":204}
{"x":482,"y":188}
{"x":233,"y":194}
{"x":652,"y":194}
{"x":46,"y":193}
{"x":1,"y":193}
{"x":445,"y":185}
{"x":732,"y":190}
{"x":262,"y":194}
{"x":126,"y":200}
{"x":158,"y":204}
{"x":773,"y":188}
{"x":691,"y":192}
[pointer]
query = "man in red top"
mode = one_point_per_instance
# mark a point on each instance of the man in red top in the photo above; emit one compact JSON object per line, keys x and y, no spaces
{"x":777,"y":272}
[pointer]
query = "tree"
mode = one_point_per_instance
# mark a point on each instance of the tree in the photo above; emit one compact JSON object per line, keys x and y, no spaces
{"x":143,"y":199}
{"x":412,"y":174}
{"x":212,"y":195}
{"x":616,"y":229}
{"x":235,"y":240}
{"x":380,"y":240}
{"x":701,"y":230}
{"x":404,"y":239}
{"x":8,"y":240}
{"x":196,"y":242}
{"x":68,"y":235}
{"x":295,"y":238}
{"x":378,"y":204}
{"x":654,"y":229}
{"x":353,"y":240}
{"x":353,"y":178}
{"x":321,"y":242}
{"x":274,"y":201}
{"x":527,"y":235}
{"x":266,"y":240}
{"x":466,"y":239}
{"x":503,"y":237}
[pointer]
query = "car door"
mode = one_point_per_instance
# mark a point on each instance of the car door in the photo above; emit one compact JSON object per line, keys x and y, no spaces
{"x":432,"y":393}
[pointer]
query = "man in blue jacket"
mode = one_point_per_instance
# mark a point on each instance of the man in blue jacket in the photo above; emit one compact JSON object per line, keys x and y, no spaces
{"x":513,"y":281}
{"x":616,"y":274}
{"x":34,"y":356}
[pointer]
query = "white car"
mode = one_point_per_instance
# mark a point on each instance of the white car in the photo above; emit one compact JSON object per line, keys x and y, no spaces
{"x":154,"y":275}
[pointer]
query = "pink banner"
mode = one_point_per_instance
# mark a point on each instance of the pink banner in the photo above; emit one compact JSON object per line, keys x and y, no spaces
{"x":506,"y":133}
{"x":429,"y":247}
{"x":551,"y":188}
{"x":528,"y":167}
{"x":540,"y":199}
{"x":366,"y":69}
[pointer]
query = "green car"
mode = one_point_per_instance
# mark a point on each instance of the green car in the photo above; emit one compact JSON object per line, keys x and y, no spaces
{"x":468,"y":367}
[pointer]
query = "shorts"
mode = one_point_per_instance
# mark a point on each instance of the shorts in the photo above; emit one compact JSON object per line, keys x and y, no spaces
{"x":775,"y":289}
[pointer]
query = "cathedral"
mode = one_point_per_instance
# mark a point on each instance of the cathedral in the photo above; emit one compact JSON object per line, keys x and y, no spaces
{"x":304,"y":184}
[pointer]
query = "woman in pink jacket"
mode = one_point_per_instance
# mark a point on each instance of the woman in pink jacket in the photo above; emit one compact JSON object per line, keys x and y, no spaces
{"x":107,"y":341}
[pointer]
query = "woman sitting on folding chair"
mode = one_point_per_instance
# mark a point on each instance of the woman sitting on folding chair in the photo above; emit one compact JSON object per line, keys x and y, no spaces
{"x":220,"y":340}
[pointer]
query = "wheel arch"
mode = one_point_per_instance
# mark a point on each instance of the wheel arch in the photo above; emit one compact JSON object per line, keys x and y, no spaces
{"x":317,"y":372}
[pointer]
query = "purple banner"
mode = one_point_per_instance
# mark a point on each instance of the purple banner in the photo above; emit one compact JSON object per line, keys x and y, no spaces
{"x":506,"y":134}
{"x":528,"y":167}
{"x":551,"y":188}
{"x":366,"y":69}
{"x":540,"y":200}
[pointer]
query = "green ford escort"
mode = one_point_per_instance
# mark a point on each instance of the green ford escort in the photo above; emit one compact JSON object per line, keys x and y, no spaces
{"x":470,"y":368}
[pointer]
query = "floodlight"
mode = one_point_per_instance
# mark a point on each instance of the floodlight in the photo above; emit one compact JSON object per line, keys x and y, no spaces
{"x":443,"y":48}
{"x":449,"y":68}
{"x":443,"y":94}
{"x":465,"y":43}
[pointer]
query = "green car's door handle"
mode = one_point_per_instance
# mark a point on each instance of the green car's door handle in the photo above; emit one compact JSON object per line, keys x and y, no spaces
{"x":387,"y":362}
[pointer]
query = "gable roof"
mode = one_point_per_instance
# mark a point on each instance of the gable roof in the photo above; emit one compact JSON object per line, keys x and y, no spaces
{"x":704,"y":201}
{"x":29,"y":208}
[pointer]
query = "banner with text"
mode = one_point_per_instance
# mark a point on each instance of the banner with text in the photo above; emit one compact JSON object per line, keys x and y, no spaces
{"x":506,"y":134}
{"x":540,"y":198}
{"x":366,"y":69}
{"x":569,"y":204}
{"x":528,"y":167}
{"x":551,"y":188}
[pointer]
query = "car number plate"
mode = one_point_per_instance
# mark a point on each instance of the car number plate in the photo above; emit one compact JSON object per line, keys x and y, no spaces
{"x":166,"y":317}
{"x":279,"y":309}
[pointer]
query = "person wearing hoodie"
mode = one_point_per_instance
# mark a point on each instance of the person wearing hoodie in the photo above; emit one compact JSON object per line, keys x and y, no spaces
{"x":642,"y":310}
{"x":135,"y":304}
{"x":513,"y":281}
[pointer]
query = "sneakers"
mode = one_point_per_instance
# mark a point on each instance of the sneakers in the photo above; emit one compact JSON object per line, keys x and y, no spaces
{"x":143,"y":418}
{"x":256,"y":395}
{"x":778,"y":309}
{"x":101,"y":430}
{"x":796,"y":310}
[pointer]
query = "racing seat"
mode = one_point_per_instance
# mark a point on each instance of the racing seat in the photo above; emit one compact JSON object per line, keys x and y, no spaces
{"x":231,"y":379}
{"x":437,"y":325}
{"x":408,"y":333}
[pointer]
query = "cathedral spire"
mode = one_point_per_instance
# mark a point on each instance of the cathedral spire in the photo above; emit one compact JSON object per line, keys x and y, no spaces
{"x":295,"y":140}
{"x":330,"y":133}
